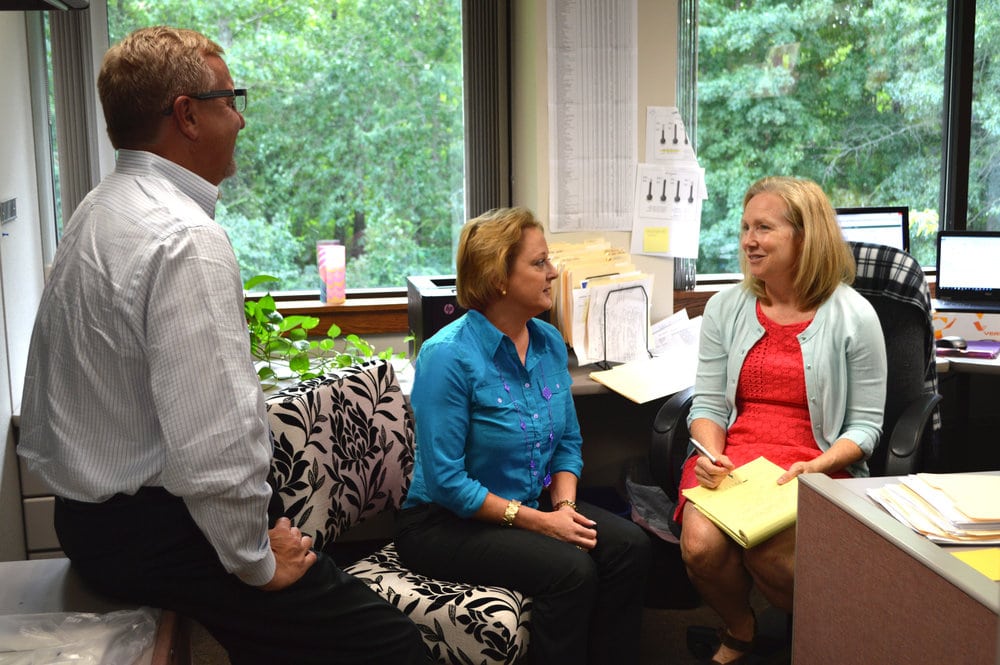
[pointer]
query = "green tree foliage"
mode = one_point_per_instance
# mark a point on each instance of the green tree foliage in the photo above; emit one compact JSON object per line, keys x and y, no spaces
{"x":354,"y":130}
{"x":848,"y":94}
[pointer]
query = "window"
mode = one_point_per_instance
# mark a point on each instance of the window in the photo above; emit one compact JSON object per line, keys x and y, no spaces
{"x":383,"y":170}
{"x":850,"y":95}
{"x":354,"y":131}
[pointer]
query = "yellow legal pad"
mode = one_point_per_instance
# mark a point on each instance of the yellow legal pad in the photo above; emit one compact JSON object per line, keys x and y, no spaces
{"x":752,"y":506}
{"x":986,"y":561}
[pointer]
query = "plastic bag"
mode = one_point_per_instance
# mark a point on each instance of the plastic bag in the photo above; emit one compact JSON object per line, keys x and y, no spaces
{"x":77,"y":638}
{"x":652,"y":509}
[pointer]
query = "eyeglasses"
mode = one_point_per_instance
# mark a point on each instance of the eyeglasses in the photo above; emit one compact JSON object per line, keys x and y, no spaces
{"x":239,"y":96}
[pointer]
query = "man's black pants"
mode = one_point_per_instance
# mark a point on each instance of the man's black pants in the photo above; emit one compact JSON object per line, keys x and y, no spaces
{"x":146,"y":549}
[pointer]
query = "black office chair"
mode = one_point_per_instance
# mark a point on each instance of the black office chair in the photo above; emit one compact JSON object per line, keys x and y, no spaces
{"x":894,"y":283}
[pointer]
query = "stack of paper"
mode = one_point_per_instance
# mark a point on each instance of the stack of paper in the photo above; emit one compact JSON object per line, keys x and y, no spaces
{"x":601,"y":303}
{"x":947,"y":508}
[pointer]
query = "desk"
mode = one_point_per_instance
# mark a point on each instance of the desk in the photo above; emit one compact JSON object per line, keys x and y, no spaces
{"x":870,"y":590}
{"x":957,"y":365}
{"x":969,"y":387}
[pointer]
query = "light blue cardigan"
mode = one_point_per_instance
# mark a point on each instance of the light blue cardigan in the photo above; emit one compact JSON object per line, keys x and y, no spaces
{"x":843,"y":352}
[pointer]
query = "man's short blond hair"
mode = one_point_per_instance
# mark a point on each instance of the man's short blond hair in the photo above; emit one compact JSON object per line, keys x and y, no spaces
{"x":143,"y":74}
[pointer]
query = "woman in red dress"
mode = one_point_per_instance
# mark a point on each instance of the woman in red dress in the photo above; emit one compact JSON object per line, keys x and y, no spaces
{"x":792,"y":368}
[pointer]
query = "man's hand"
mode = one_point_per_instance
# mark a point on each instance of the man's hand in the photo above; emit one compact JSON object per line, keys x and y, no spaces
{"x":292,"y":554}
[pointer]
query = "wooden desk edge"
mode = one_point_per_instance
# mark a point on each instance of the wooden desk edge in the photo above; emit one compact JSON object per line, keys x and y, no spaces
{"x":849,"y":495}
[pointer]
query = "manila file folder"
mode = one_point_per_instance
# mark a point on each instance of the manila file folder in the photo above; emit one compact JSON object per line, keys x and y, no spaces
{"x":751,"y":507}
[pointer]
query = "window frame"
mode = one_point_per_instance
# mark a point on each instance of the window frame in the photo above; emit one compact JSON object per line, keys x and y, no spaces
{"x":960,"y":28}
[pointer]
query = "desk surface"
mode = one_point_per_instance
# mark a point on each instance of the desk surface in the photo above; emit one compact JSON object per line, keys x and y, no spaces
{"x":850,"y":494}
{"x":969,"y":365}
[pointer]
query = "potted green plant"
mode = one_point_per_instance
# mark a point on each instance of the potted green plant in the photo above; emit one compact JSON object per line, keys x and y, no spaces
{"x":288,"y":347}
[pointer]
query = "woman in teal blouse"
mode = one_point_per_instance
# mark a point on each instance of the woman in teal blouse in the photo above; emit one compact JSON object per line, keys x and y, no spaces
{"x":493,"y":498}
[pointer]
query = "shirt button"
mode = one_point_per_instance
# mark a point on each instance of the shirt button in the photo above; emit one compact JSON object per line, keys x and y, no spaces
{"x":527,"y":385}
{"x":534,"y":416}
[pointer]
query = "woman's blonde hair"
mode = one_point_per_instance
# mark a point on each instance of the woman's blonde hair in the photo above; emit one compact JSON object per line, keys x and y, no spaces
{"x":487,"y":248}
{"x":143,"y":74}
{"x":825,"y":260}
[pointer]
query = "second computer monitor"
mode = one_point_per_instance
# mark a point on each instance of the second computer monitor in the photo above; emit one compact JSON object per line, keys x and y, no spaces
{"x":889,"y":225}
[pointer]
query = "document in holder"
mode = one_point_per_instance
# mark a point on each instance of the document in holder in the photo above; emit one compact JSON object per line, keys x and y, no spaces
{"x":751,"y":506}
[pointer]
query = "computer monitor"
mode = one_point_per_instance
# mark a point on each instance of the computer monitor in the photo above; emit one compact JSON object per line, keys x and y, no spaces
{"x":889,"y":225}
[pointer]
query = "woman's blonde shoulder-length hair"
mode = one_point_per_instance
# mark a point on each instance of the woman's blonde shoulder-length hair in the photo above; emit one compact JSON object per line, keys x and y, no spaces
{"x":487,"y":248}
{"x":826,"y":260}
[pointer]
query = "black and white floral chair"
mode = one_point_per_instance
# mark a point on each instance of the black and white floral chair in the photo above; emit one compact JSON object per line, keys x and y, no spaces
{"x":343,"y":452}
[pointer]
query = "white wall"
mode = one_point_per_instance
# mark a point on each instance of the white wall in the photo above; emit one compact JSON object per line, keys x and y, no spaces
{"x":20,"y":263}
{"x":657,"y":87}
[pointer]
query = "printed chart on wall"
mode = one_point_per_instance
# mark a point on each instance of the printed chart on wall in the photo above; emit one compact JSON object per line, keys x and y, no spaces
{"x":669,"y":190}
{"x":592,"y":105}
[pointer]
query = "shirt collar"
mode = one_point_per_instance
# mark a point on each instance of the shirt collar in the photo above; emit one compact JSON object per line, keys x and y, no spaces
{"x":491,"y":338}
{"x":140,"y":162}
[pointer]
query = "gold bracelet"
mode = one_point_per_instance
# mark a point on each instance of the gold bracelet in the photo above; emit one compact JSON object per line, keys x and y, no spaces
{"x":508,"y":515}
{"x":565,"y":502}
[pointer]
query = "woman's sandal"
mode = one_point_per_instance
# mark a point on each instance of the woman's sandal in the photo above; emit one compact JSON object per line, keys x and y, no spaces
{"x":745,"y":647}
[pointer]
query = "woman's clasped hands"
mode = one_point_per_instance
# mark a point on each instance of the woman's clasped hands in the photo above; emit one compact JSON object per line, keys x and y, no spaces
{"x":567,"y":525}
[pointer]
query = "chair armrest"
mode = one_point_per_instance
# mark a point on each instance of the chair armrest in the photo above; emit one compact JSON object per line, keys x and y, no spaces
{"x":669,"y":443}
{"x":903,"y":454}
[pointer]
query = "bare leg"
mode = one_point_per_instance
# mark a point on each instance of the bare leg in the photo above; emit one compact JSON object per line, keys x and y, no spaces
{"x":772,"y":565}
{"x":715,"y":565}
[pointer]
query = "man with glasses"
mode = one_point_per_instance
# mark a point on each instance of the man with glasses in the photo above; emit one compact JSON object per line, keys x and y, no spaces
{"x":142,"y":410}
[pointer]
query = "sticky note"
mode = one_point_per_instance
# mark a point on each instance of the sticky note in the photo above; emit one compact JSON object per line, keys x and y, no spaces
{"x":656,"y":239}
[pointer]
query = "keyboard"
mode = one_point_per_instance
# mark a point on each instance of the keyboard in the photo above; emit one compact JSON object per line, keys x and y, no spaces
{"x":966,"y":305}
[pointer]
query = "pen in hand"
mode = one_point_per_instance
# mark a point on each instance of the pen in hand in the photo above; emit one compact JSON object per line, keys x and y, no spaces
{"x":704,"y":451}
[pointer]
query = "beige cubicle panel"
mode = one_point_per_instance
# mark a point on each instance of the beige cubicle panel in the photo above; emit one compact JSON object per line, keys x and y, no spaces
{"x":869,"y":590}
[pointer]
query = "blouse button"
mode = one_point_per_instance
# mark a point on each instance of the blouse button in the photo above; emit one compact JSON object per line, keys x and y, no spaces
{"x":534,"y":416}
{"x":528,"y":384}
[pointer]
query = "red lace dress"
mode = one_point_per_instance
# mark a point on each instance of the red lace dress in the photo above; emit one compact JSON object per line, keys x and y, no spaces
{"x":771,"y":405}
